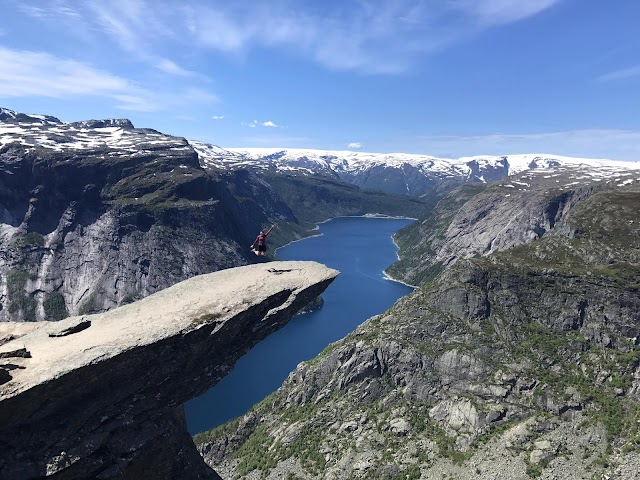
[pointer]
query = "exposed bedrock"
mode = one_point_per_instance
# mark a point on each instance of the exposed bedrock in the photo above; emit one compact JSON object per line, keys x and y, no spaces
{"x":100,"y":396}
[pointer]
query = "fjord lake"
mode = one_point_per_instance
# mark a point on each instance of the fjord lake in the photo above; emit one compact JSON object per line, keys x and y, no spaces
{"x":360,"y":248}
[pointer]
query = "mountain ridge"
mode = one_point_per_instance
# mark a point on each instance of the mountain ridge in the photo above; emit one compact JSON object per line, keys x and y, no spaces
{"x":397,"y":173}
{"x":411,"y":174}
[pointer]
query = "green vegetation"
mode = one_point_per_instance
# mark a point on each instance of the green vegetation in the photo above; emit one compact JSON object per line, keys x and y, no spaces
{"x":534,"y":470}
{"x":19,"y":300}
{"x":54,"y":307}
{"x":254,"y":454}
{"x":31,"y":239}
{"x":88,"y":306}
{"x":418,"y":242}
{"x":160,"y":185}
{"x":16,"y":281}
{"x":260,"y":452}
{"x":314,"y":199}
{"x":25,"y":304}
{"x":410,"y":473}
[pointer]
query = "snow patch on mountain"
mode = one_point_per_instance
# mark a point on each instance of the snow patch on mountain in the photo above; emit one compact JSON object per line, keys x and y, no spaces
{"x":400,"y":173}
{"x":414,"y":174}
{"x":45,"y":132}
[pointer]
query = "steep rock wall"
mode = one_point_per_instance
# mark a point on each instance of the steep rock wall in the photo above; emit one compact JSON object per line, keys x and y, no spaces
{"x":85,"y":231}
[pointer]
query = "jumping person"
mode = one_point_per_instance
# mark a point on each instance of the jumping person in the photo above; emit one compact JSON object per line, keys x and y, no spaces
{"x":259,"y":245}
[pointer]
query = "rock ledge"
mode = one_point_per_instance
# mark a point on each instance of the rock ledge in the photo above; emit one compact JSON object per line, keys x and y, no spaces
{"x":100,"y":396}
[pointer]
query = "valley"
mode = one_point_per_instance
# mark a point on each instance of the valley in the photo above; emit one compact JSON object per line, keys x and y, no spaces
{"x":517,"y":356}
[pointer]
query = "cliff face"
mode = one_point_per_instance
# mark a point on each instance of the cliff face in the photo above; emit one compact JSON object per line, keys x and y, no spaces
{"x":479,"y":220}
{"x":100,"y":396}
{"x":112,"y":214}
{"x":516,"y":364}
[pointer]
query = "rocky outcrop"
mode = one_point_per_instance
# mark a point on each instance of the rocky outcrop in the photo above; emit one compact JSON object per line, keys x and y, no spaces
{"x":100,"y":396}
{"x":478,"y":220}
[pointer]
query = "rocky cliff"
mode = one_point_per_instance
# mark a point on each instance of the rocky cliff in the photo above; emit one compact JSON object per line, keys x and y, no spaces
{"x":100,"y":396}
{"x":518,"y":364}
{"x":97,"y":214}
{"x":480,"y":219}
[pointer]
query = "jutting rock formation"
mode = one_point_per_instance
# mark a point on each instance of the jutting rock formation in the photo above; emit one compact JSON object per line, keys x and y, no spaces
{"x":101,"y":396}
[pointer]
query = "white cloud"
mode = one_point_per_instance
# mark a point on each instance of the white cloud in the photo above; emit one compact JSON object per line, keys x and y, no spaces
{"x":384,"y":36}
{"x":135,"y":103}
{"x":27,"y":73}
{"x":354,"y":146}
{"x":622,"y":74}
{"x":588,"y":143}
{"x":217,"y":117}
{"x":169,"y":66}
{"x":256,"y":123}
{"x":380,"y":37}
{"x":496,"y":12}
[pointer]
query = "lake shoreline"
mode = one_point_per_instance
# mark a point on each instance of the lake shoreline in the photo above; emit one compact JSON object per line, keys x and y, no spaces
{"x":389,"y":277}
{"x":367,"y":215}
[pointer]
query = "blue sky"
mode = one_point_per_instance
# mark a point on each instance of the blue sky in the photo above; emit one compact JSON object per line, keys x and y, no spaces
{"x":440,"y":77}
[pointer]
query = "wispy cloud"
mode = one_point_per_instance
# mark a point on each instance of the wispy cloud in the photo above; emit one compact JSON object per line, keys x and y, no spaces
{"x":135,"y":103}
{"x":354,"y":146}
{"x":270,"y":124}
{"x":622,"y":74}
{"x":590,"y":143}
{"x":379,"y":37}
{"x":497,"y":12}
{"x":138,"y":27}
{"x":170,"y":66}
{"x":26,"y":73}
{"x":217,"y":117}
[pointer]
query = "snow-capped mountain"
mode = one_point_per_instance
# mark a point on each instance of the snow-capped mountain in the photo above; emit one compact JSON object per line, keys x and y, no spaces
{"x":414,"y":174}
{"x":399,"y":173}
{"x":46,"y":132}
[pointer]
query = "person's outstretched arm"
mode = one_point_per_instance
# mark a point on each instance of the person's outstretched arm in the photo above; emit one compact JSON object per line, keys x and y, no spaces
{"x":269,"y":231}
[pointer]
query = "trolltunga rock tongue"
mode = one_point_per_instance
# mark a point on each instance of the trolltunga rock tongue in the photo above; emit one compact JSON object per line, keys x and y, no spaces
{"x":100,"y":396}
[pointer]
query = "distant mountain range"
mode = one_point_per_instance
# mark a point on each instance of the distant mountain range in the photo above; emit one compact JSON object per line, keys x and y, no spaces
{"x":412,"y":174}
{"x":397,"y":173}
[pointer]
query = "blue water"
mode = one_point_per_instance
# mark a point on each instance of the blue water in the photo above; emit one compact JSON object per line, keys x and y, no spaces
{"x":360,"y":248}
